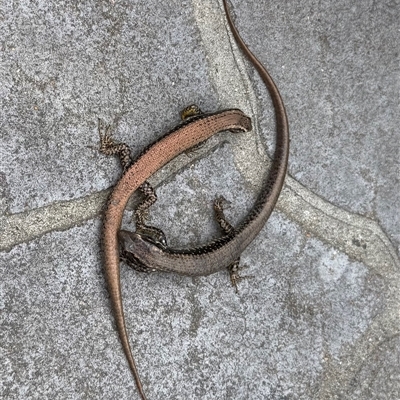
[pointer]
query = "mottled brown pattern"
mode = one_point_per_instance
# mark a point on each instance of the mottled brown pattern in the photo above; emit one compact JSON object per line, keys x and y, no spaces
{"x":225,"y":226}
{"x":109,"y":146}
{"x":150,"y":197}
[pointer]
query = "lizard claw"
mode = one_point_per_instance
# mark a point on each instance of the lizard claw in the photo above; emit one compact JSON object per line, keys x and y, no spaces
{"x":235,"y":276}
{"x":222,"y":203}
{"x":106,"y":140}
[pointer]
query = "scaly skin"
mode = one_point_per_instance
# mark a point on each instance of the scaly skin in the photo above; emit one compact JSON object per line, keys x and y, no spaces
{"x":223,"y":252}
{"x":190,"y":133}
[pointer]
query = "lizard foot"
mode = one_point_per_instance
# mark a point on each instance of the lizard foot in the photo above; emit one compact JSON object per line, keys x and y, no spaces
{"x":220,"y":203}
{"x":235,"y":277}
{"x":190,"y":111}
{"x":109,"y":146}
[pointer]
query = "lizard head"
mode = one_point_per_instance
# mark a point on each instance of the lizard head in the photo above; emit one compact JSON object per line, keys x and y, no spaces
{"x":137,"y":250}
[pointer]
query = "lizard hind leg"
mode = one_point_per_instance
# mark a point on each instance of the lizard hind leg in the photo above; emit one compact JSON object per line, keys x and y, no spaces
{"x":219,"y":203}
{"x":150,"y":197}
{"x":109,"y":146}
{"x":234,"y":274}
{"x":228,"y":229}
{"x":152,"y":234}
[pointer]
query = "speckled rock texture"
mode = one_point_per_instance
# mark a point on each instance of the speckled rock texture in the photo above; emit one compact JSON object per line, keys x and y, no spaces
{"x":319,"y":319}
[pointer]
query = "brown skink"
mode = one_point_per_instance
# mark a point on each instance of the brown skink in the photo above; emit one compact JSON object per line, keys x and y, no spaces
{"x":222,"y":252}
{"x":190,"y":133}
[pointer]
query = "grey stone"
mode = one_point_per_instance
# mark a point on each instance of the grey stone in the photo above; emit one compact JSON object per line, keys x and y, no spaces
{"x":319,"y":319}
